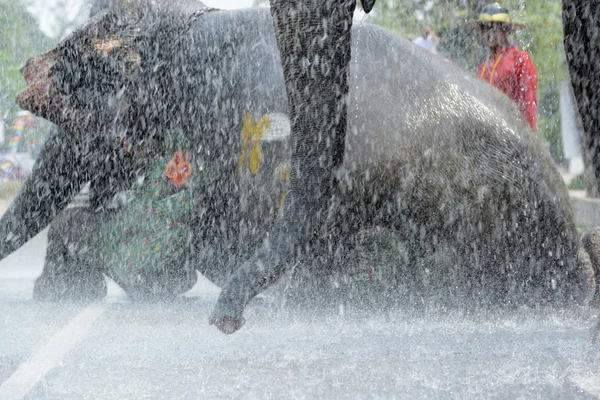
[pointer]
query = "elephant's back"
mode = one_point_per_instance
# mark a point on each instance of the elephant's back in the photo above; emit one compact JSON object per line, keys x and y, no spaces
{"x":408,"y":107}
{"x":417,"y":98}
{"x":444,"y":140}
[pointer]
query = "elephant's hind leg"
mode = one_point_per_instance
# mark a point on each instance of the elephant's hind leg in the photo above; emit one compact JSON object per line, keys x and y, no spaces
{"x":72,"y":269}
{"x":591,"y":244}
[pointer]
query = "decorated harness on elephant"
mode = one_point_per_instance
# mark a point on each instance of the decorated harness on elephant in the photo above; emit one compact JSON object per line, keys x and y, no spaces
{"x":151,"y":231}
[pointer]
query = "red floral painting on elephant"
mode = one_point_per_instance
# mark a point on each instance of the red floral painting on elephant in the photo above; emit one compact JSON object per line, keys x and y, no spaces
{"x":178,"y":169}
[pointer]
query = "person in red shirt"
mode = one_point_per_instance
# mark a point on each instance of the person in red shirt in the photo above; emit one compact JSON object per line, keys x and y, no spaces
{"x":507,"y":67}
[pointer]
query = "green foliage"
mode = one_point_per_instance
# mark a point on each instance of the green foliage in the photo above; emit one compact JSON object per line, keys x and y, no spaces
{"x":577,"y":183}
{"x":549,"y":129}
{"x":19,"y":39}
{"x":543,"y":40}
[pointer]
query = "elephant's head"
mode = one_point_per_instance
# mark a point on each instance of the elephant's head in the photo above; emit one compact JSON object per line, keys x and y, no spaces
{"x":86,"y":74}
{"x":108,"y":88}
{"x":88,"y":85}
{"x":93,"y":75}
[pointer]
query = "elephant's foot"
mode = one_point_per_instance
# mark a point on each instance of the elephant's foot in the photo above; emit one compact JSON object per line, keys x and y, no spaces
{"x":227,"y":318}
{"x":227,"y":315}
{"x":253,"y":276}
{"x":79,"y":287}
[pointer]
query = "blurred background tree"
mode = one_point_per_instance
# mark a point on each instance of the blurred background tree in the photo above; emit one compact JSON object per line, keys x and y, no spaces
{"x":59,"y":17}
{"x":20,"y":38}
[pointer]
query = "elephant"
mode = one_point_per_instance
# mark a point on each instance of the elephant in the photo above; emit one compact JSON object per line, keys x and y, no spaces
{"x":311,"y":191}
{"x":444,"y":165}
{"x":580,"y":24}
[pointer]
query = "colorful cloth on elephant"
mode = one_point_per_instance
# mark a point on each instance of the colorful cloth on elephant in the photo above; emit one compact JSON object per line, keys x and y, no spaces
{"x":152,"y":231}
{"x":512,"y":71}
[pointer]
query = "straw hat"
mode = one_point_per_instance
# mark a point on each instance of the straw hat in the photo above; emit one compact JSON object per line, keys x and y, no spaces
{"x":494,"y":13}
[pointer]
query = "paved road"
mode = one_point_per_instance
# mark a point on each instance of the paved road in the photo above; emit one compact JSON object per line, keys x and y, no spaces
{"x":119,"y":350}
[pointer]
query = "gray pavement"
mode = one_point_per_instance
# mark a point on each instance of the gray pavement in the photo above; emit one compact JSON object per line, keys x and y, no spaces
{"x":121,"y":350}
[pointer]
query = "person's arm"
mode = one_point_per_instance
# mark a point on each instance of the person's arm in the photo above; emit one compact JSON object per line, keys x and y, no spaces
{"x":526,"y":87}
{"x":434,"y":37}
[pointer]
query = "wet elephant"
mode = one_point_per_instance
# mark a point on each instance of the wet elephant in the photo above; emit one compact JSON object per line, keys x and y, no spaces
{"x":443,"y":164}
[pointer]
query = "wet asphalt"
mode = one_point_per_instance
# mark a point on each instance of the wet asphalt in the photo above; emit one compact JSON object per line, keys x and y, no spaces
{"x":116,"y":349}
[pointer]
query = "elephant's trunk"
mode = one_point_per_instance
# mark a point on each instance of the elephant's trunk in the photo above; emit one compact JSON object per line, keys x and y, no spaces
{"x":582,"y":48}
{"x":67,"y":161}
{"x":315,"y":68}
{"x":53,"y":182}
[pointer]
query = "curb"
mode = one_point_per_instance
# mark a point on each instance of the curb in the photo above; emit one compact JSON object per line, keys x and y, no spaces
{"x":586,"y":212}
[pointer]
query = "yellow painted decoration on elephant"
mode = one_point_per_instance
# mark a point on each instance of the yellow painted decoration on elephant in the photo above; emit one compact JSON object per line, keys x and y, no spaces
{"x":252,"y":133}
{"x":282,"y":173}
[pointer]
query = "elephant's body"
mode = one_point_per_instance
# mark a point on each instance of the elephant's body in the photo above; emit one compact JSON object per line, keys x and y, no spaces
{"x":434,"y":157}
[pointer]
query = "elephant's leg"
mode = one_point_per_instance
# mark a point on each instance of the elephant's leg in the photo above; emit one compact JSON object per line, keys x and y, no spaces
{"x":72,"y":268}
{"x":315,"y":58}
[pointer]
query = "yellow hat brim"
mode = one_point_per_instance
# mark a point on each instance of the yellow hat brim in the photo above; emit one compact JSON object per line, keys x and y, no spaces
{"x":480,"y":24}
{"x":502,"y":18}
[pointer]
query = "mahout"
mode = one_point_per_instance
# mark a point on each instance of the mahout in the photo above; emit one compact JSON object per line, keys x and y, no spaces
{"x":444,"y":165}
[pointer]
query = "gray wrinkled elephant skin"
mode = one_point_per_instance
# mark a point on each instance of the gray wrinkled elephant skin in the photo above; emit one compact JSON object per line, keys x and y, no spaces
{"x":438,"y":167}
